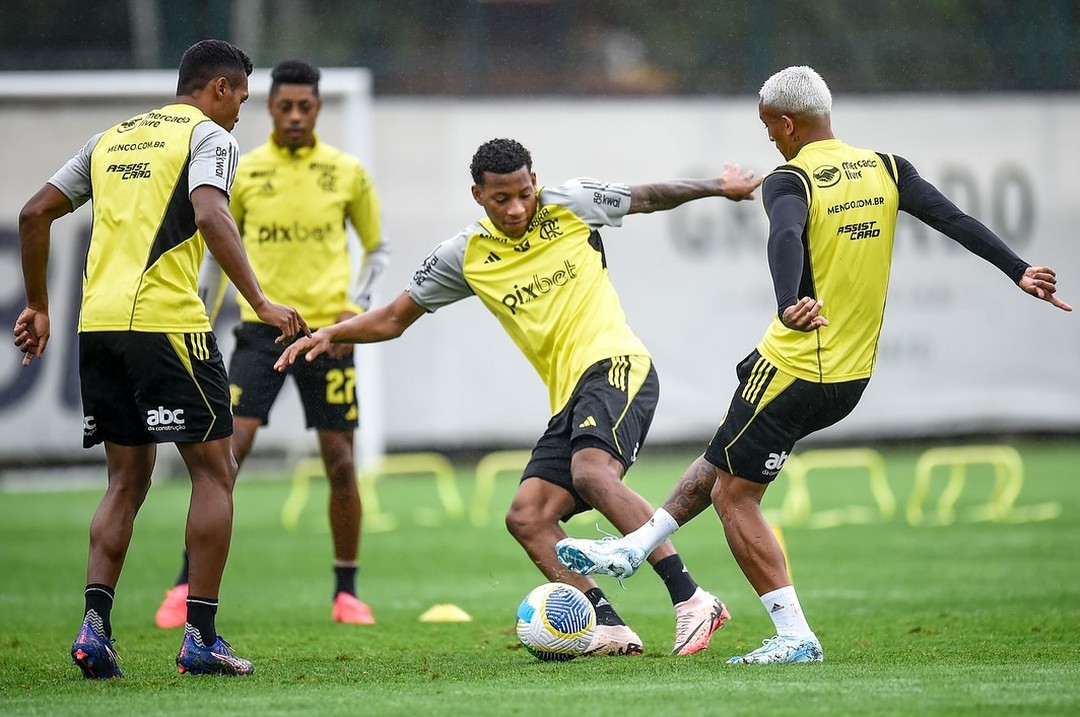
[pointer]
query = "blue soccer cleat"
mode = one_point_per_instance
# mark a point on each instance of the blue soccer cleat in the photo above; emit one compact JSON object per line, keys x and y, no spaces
{"x":780,"y":650}
{"x":218,"y":659}
{"x":607,"y":556}
{"x":94,"y":653}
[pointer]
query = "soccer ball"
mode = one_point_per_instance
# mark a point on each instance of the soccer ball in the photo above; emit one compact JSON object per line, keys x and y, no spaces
{"x":555,"y":622}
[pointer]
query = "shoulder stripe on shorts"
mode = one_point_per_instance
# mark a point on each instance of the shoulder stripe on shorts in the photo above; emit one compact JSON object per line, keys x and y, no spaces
{"x":198,"y":347}
{"x":619,"y":372}
{"x":760,"y":376}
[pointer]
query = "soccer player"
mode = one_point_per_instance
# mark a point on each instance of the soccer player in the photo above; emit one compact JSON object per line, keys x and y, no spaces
{"x":832,"y":212}
{"x":149,"y":366}
{"x":537,"y":262}
{"x":291,"y":199}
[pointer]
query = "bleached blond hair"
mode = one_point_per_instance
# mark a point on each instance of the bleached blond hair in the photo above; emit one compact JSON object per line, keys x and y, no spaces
{"x":797,"y":90}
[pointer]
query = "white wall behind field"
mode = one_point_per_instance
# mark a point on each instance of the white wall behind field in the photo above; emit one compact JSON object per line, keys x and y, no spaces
{"x":962,"y":349}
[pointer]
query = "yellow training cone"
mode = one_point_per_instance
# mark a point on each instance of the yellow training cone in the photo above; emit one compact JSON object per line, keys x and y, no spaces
{"x":445,"y":613}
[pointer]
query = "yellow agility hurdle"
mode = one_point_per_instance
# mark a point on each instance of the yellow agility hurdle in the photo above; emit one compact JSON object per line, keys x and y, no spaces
{"x":796,"y":509}
{"x":375,"y":520}
{"x":1008,"y":470}
{"x":487,"y":470}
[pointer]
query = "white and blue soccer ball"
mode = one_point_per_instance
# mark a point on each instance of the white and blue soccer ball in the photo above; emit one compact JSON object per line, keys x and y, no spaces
{"x":556,"y":622}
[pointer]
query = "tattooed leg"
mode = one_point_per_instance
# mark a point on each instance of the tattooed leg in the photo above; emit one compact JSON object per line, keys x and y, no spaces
{"x":692,"y":494}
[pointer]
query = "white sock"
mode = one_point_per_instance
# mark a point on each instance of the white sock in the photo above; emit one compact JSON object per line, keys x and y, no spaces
{"x":655,"y":531}
{"x":783,"y":607}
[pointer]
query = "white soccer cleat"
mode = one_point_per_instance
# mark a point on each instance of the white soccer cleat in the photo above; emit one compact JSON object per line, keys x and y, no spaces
{"x":696,"y":619}
{"x":777,"y":650}
{"x":607,"y":556}
{"x":611,"y":640}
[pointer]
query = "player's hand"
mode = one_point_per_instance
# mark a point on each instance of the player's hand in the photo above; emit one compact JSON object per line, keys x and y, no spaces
{"x":738,"y":184}
{"x":31,"y":333}
{"x":337,"y":351}
{"x":285,"y":319}
{"x":1041,"y":282}
{"x":311,"y":347}
{"x":804,"y":315}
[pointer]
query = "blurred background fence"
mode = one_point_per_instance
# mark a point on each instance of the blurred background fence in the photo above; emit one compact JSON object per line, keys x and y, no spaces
{"x":578,"y":47}
{"x":980,"y":96}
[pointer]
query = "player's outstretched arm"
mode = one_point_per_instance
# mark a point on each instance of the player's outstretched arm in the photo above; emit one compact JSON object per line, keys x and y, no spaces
{"x":1041,"y":282}
{"x":926,"y":203}
{"x":218,"y":228}
{"x":381,"y":324}
{"x":734,"y":183}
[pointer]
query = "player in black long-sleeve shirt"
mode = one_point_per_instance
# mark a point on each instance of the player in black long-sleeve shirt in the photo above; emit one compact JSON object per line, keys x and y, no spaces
{"x":785,"y":196}
{"x":832,"y":218}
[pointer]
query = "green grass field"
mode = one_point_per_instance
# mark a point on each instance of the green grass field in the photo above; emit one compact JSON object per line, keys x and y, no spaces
{"x":970,"y":618}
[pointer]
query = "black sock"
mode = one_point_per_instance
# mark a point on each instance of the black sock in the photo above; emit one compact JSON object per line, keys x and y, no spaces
{"x":676,"y":578}
{"x":605,"y":613}
{"x":200,"y":617}
{"x":345,"y":579}
{"x":99,"y":598}
{"x":182,"y":578}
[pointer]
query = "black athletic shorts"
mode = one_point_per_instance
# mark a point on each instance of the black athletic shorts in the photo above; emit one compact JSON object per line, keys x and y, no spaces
{"x":327,"y":385}
{"x":611,"y":408}
{"x":770,"y":411}
{"x":140,"y":388}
